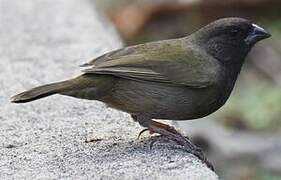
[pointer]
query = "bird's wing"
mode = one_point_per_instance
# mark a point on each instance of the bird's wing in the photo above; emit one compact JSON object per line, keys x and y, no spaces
{"x":166,"y":63}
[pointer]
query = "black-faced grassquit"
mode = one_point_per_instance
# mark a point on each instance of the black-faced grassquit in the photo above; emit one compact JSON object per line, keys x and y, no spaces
{"x":176,"y":79}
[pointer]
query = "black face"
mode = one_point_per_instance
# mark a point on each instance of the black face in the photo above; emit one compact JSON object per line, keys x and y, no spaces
{"x":230,"y":39}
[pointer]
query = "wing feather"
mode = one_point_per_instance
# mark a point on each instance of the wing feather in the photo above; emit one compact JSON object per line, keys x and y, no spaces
{"x":174,"y":66}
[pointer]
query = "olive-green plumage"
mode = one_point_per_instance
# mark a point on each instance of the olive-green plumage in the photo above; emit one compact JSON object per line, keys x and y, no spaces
{"x":177,"y":79}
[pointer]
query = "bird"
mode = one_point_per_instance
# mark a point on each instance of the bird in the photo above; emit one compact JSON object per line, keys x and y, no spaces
{"x":176,"y":79}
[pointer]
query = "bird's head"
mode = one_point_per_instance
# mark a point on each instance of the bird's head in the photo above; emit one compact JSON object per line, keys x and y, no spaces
{"x":230,"y":39}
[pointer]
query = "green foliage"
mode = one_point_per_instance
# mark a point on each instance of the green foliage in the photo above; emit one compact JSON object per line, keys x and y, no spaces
{"x":255,"y":102}
{"x":266,"y":176}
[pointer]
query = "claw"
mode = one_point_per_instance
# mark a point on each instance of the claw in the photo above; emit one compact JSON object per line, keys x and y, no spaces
{"x":196,"y":151}
{"x":209,"y":165}
{"x":200,"y":155}
{"x":152,"y":143}
{"x":144,"y":130}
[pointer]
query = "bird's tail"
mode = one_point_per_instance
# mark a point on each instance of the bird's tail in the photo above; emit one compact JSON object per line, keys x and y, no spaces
{"x":40,"y":92}
{"x":85,"y":86}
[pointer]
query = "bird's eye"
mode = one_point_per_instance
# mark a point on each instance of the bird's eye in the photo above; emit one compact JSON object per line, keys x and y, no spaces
{"x":234,"y":32}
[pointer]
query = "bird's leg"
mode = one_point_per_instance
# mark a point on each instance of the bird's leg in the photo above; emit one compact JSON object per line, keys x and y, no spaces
{"x":172,"y":134}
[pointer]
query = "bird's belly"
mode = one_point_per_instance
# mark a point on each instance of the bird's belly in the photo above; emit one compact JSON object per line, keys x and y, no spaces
{"x":157,"y":100}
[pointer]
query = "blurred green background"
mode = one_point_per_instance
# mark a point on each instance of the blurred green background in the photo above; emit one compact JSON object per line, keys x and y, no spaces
{"x":255,"y":104}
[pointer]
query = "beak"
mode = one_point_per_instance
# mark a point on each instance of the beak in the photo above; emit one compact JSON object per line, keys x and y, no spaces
{"x":256,"y":35}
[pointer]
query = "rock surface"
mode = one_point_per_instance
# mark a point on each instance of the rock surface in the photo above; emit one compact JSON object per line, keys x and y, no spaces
{"x":42,"y":41}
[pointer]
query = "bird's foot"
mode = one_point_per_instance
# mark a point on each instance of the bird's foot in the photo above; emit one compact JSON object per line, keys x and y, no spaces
{"x":170,"y":133}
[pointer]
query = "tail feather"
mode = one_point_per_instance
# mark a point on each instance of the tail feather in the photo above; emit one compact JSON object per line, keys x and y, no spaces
{"x":39,"y":92}
{"x":72,"y":87}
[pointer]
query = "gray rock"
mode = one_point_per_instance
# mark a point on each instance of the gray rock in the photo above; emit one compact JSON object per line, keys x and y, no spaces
{"x":42,"y":41}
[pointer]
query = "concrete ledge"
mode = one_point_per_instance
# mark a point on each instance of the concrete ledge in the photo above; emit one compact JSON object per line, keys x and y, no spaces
{"x":43,"y":41}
